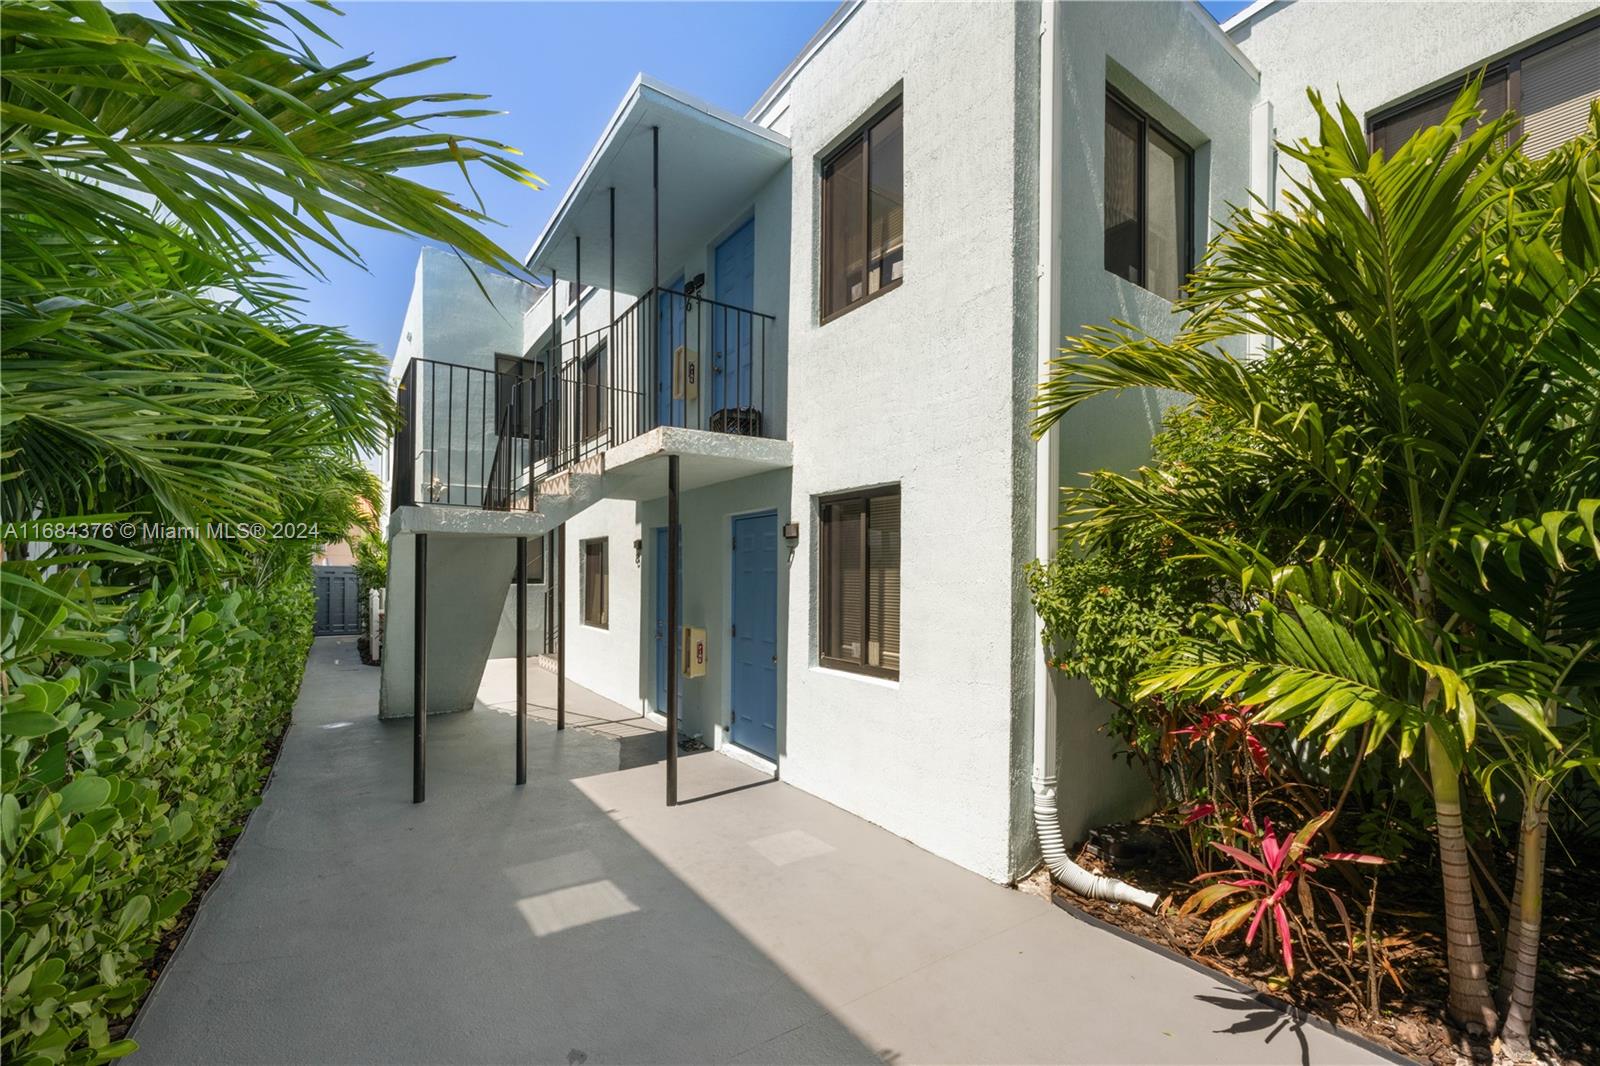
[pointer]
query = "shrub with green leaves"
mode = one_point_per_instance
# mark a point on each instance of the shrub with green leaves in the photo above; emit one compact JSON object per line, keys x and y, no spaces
{"x":155,"y":370}
{"x":133,"y":742}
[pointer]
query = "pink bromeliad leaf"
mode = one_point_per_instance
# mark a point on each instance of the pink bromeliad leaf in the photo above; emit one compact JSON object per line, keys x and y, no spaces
{"x":1255,"y":923}
{"x":1281,"y":915}
{"x":1201,"y":810}
{"x":1258,"y":753}
{"x":1272,"y":850}
{"x":1353,"y":856}
{"x":1244,"y":857}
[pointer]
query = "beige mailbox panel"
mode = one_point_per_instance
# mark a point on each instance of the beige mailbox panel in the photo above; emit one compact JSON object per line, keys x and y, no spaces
{"x":694,"y":652}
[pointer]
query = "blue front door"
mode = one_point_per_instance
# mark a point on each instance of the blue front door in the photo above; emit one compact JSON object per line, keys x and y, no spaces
{"x":670,"y":336}
{"x":661,"y":622}
{"x":732,"y":331}
{"x":754,"y":687}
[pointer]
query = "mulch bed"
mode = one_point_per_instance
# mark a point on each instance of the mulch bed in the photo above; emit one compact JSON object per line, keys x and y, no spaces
{"x":1410,"y":918}
{"x":174,"y":936}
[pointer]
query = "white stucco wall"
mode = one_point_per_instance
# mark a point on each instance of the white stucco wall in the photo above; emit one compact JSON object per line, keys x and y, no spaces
{"x":917,"y":388}
{"x":606,"y":660}
{"x":1380,"y":54}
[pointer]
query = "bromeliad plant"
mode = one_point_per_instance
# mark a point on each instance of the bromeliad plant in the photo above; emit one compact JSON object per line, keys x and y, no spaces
{"x":1276,"y":874}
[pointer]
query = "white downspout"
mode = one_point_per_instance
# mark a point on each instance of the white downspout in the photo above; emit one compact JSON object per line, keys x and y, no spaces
{"x":1047,"y":489}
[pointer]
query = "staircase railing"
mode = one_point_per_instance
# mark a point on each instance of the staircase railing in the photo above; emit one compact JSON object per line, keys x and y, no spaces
{"x":474,"y":437}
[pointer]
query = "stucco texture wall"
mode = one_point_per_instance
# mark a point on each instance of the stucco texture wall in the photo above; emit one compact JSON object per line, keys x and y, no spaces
{"x":606,"y":660}
{"x":1163,"y":58}
{"x":1379,"y":54}
{"x":916,"y":388}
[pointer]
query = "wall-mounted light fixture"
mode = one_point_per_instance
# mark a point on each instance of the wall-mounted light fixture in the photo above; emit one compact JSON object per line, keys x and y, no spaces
{"x":638,"y":551}
{"x":791,"y":531}
{"x":691,"y":289}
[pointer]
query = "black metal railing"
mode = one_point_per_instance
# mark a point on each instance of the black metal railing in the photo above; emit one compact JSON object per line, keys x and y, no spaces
{"x":449,"y":444}
{"x":473,"y":437}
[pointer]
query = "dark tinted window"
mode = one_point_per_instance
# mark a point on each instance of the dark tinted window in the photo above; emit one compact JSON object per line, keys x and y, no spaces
{"x":863,"y":223}
{"x":1149,"y":184}
{"x":860,"y":592}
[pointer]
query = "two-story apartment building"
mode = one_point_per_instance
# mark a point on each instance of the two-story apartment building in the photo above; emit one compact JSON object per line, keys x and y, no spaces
{"x":808,"y":337}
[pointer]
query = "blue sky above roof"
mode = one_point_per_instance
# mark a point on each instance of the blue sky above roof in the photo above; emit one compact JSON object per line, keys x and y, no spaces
{"x":558,"y":71}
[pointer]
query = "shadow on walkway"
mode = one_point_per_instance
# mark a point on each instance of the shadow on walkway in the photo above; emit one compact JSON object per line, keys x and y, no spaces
{"x":578,"y":919}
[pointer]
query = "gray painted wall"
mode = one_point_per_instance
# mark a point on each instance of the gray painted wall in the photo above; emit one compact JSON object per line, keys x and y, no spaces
{"x":1166,"y":60}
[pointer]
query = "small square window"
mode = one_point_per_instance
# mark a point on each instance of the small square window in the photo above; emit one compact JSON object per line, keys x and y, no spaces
{"x":860,"y":582}
{"x":594,"y":582}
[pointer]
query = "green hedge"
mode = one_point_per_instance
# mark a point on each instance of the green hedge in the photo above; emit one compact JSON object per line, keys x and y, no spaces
{"x":134,"y":738}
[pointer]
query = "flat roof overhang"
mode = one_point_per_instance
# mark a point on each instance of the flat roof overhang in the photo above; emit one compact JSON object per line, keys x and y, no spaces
{"x":711,"y":162}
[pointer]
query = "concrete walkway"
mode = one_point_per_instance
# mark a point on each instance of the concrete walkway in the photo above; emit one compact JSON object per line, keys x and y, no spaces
{"x":579,"y":920}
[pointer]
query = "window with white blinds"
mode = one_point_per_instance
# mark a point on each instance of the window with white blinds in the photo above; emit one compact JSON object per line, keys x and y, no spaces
{"x":1558,"y":86}
{"x":1550,"y":85}
{"x":860,"y":583}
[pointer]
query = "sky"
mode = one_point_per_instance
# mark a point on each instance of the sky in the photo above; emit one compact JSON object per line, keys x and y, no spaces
{"x":558,"y":71}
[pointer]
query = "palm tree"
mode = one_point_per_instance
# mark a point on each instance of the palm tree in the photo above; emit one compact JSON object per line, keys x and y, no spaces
{"x":1428,"y":414}
{"x":150,"y":163}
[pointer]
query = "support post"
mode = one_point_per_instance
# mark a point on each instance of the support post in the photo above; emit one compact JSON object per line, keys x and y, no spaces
{"x":612,"y":360}
{"x":657,"y":381}
{"x":674,"y":550}
{"x":561,"y":626}
{"x":419,"y":675}
{"x":522,"y":660}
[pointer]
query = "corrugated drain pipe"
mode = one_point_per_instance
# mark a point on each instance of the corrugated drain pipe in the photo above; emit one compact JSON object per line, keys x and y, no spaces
{"x":1047,"y":488}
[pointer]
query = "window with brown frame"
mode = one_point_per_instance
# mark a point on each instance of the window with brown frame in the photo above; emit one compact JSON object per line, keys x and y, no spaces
{"x":859,"y":546}
{"x":863,"y":224}
{"x":1550,"y":85}
{"x":595,"y":577}
{"x":1149,"y":197}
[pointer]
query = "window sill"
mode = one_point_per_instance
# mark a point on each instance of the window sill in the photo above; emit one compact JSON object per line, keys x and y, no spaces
{"x":857,"y":675}
{"x":834,"y":316}
{"x":1142,"y":288}
{"x":597,"y":629}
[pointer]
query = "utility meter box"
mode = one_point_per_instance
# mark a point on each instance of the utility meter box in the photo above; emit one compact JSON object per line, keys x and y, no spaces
{"x":693,"y":656}
{"x":685,"y":373}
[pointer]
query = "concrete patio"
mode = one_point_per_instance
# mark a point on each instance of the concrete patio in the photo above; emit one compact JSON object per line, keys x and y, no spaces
{"x":577,"y":919}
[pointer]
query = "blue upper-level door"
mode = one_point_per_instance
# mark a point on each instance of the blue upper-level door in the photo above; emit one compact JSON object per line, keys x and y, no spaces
{"x":671,"y":322}
{"x":732,"y":330}
{"x":754,"y":662}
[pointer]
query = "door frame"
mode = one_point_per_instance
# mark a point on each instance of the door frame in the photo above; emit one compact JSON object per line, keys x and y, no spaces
{"x":780,"y":634}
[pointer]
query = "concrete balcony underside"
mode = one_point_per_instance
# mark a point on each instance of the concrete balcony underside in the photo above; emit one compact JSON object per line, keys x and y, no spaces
{"x":633,"y":470}
{"x":637,"y":469}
